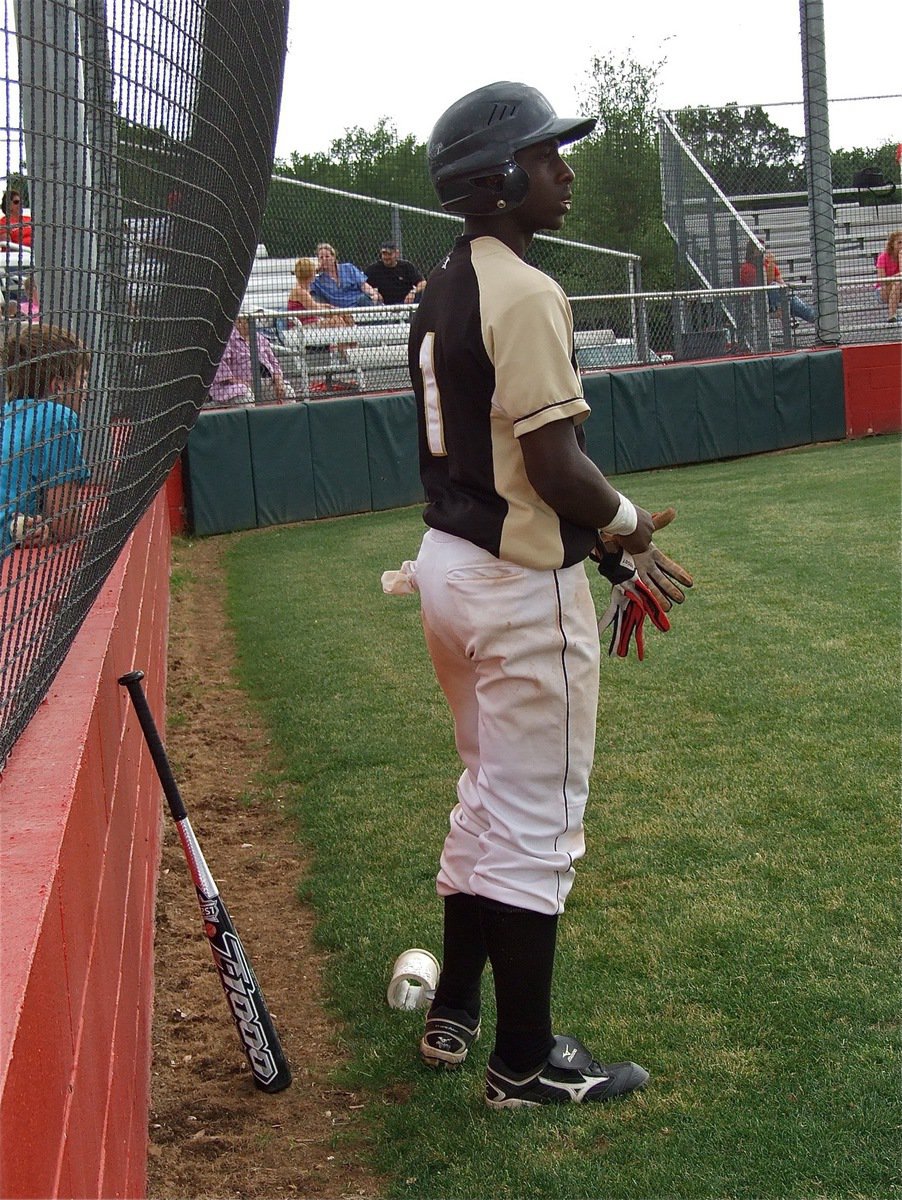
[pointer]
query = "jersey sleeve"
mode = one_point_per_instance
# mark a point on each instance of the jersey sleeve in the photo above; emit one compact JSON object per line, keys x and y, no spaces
{"x":530,"y":344}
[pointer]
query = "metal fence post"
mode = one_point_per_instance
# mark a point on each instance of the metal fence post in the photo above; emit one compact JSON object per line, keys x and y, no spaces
{"x":714,"y":275}
{"x":786,"y":316}
{"x":396,"y":235}
{"x":639,"y":315}
{"x":111,"y":335}
{"x":256,"y":380}
{"x":64,"y":248}
{"x":818,"y":171}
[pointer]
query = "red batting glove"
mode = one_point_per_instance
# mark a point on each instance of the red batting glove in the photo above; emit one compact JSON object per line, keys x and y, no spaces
{"x":631,"y":602}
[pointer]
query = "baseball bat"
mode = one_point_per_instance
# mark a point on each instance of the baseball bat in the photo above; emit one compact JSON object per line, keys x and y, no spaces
{"x":247,"y":1005}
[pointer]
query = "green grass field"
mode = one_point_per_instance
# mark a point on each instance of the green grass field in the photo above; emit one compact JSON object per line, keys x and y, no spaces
{"x":733,"y":926}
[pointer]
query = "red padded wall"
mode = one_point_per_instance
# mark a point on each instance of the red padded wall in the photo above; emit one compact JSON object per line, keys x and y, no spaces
{"x":872,"y":378}
{"x":80,"y":821}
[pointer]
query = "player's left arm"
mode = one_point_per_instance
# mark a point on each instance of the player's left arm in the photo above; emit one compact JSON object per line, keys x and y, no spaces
{"x":570,"y":483}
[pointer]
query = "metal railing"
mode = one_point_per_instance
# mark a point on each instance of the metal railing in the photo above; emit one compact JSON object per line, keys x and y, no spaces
{"x":716,"y":235}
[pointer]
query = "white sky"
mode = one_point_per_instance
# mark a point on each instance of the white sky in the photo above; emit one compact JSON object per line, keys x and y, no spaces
{"x":351,"y":63}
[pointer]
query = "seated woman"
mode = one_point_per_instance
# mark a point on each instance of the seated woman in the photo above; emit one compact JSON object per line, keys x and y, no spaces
{"x":889,"y":264}
{"x":15,"y":223}
{"x":340,"y":284}
{"x":760,"y":262}
{"x":300,"y":299}
{"x":234,"y":381}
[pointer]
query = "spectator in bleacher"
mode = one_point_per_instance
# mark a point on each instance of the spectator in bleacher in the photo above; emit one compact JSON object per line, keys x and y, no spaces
{"x":15,"y":224}
{"x":300,"y":299}
{"x":25,"y":305}
{"x":749,"y":276}
{"x":396,"y":280}
{"x":233,"y":383}
{"x":343,"y":285}
{"x":42,"y":463}
{"x":888,"y":266}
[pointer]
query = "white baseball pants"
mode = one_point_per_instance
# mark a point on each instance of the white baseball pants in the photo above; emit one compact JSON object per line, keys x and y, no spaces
{"x":516,"y":653}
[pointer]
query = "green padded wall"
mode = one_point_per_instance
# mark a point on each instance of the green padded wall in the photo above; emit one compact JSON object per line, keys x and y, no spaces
{"x":341,"y":473}
{"x":718,"y":428}
{"x":393,"y":450}
{"x":663,"y":416}
{"x":828,"y":396}
{"x":637,"y":441}
{"x":279,"y":436}
{"x":756,"y":416}
{"x":599,"y":425}
{"x":792,"y":400}
{"x":676,"y":408}
{"x":276,"y":464}
{"x":220,"y":476}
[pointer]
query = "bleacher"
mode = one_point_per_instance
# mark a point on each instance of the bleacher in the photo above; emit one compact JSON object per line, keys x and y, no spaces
{"x":860,"y":233}
{"x":371,"y":355}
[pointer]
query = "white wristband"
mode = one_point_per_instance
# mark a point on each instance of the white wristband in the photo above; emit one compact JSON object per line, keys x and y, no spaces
{"x":625,"y":519}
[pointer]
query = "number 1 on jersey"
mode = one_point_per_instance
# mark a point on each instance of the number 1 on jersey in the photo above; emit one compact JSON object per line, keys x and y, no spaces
{"x":435,"y":427}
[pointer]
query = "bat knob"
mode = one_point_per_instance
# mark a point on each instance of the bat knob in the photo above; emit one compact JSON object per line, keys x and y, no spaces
{"x":131,"y":677}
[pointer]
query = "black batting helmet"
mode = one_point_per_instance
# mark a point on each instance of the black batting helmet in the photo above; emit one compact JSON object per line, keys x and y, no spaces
{"x":471,"y":149}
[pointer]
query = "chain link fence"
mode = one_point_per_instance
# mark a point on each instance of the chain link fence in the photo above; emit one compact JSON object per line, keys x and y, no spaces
{"x":746,"y":225}
{"x":138,"y":139}
{"x":738,"y":278}
{"x":148,"y":255}
{"x":365,"y":348}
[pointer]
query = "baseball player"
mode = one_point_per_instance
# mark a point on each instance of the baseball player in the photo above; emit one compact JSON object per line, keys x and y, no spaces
{"x":514,"y":506}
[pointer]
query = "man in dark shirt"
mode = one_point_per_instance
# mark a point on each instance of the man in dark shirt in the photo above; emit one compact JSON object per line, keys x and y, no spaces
{"x":395,"y":279}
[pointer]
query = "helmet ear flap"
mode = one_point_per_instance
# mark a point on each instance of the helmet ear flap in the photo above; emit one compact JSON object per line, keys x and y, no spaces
{"x":513,"y":188}
{"x":486,"y":194}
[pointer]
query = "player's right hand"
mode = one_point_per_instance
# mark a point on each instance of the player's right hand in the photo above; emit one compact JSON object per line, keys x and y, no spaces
{"x":662,"y":575}
{"x":640,"y":538}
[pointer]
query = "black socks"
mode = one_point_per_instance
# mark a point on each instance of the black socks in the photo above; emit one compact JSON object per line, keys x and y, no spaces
{"x":521,"y":947}
{"x":463,"y":956}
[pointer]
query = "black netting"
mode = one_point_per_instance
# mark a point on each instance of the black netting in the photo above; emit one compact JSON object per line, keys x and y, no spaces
{"x":139,"y":140}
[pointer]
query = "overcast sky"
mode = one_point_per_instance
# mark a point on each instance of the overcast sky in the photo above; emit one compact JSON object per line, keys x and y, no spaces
{"x":350,"y":64}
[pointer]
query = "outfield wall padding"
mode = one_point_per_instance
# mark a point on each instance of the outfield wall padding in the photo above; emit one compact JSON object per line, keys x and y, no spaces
{"x":264,"y":466}
{"x":872,"y":376}
{"x":220,"y":471}
{"x":393,"y":452}
{"x":718,"y":421}
{"x":338,"y":457}
{"x":280,"y":457}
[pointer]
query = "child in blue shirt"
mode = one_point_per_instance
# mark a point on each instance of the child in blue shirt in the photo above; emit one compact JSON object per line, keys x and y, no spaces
{"x":42,"y":463}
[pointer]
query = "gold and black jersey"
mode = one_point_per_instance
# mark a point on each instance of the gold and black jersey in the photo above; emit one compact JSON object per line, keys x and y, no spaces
{"x":491,"y":358}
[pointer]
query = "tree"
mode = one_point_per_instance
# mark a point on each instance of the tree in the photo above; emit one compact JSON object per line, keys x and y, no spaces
{"x":618,"y":184}
{"x":375,"y":162}
{"x":621,"y":94}
{"x":743,"y":149}
{"x":17,"y":181}
{"x":618,"y":188}
{"x":846,"y":163}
